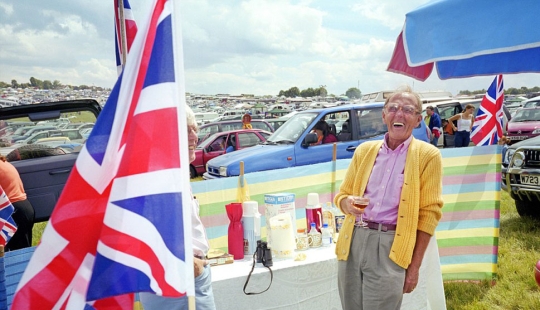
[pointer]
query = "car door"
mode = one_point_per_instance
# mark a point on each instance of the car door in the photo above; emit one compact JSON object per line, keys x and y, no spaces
{"x":216,"y":147}
{"x":44,"y":170}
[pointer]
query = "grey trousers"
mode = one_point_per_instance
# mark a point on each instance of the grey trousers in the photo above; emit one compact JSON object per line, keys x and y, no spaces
{"x":368,"y":279}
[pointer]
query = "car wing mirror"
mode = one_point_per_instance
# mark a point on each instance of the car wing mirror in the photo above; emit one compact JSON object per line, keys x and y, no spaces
{"x":309,"y":139}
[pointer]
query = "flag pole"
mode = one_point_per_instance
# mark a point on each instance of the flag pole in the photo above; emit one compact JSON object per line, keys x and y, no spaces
{"x":123,"y":39}
{"x":333,"y":183}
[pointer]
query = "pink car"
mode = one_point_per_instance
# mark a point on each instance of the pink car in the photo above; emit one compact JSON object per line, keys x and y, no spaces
{"x":222,"y":143}
{"x":524,"y":125}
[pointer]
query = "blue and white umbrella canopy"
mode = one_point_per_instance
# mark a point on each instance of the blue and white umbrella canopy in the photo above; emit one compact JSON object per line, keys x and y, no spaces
{"x":464,"y":38}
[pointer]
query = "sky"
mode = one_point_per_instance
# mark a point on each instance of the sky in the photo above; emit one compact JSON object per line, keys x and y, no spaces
{"x":230,"y":47}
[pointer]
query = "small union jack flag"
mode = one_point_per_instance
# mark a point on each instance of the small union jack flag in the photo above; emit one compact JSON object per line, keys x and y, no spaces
{"x":7,"y":224}
{"x":488,"y":124}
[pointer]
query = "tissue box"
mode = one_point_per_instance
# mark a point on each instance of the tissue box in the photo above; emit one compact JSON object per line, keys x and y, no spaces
{"x":277,"y":204}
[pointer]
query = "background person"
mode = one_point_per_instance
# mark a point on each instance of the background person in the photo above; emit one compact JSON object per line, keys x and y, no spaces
{"x":433,"y":121}
{"x":402,"y":178}
{"x":11,"y":182}
{"x":505,"y":142}
{"x":465,"y":121}
{"x":246,"y":122}
{"x":204,"y":295}
{"x":323,"y":133}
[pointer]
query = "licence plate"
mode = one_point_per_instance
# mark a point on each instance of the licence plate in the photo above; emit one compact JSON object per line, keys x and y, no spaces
{"x":530,"y":179}
{"x":517,"y":137}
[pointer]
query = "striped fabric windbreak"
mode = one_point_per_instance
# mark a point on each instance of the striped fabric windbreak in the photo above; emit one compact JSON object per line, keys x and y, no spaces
{"x":467,"y":234}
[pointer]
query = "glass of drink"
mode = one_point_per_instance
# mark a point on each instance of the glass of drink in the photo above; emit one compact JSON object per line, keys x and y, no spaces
{"x":360,"y":203}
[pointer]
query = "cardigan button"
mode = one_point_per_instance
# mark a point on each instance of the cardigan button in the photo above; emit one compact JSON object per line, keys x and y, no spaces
{"x":350,"y":220}
{"x":346,"y":236}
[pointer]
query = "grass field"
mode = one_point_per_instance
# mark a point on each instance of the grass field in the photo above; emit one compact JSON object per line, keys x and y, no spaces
{"x":514,"y":288}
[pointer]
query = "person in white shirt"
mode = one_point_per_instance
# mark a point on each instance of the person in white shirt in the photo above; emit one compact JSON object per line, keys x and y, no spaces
{"x":204,"y":296}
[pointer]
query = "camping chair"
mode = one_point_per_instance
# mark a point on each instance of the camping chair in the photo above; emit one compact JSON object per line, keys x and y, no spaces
{"x":3,"y":296}
{"x":12,"y":266}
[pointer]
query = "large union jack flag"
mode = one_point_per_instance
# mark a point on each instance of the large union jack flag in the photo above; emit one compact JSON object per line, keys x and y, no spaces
{"x":488,"y":124}
{"x":7,"y":224}
{"x":130,"y":30}
{"x":119,"y":226}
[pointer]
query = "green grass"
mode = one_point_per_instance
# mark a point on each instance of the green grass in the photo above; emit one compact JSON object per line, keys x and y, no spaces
{"x":514,"y":288}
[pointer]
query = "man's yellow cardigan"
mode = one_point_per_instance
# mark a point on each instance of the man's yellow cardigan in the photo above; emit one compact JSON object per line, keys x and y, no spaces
{"x":420,"y":202}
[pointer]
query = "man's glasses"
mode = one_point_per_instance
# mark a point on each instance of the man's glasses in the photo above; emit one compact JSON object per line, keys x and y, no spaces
{"x":406,"y":109}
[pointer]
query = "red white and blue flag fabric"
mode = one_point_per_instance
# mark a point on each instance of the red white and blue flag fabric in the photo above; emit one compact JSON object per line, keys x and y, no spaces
{"x":130,"y":30}
{"x":8,"y":226}
{"x":120,"y":225}
{"x":488,"y":124}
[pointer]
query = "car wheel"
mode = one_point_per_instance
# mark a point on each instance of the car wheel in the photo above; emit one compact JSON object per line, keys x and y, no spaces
{"x":528,"y":208}
{"x":192,"y":172}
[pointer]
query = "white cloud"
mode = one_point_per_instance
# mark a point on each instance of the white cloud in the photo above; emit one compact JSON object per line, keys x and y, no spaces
{"x":255,"y":46}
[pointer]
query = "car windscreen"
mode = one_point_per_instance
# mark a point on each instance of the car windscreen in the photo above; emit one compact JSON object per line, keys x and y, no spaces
{"x":291,"y":130}
{"x":14,"y":150}
{"x":526,"y":115}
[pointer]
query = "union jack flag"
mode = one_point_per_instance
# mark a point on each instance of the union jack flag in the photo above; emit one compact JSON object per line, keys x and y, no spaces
{"x":488,"y":124}
{"x":7,"y":224}
{"x":120,"y":225}
{"x":130,"y":30}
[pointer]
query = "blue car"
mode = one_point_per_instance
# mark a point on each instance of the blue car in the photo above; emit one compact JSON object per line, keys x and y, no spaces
{"x":292,"y":144}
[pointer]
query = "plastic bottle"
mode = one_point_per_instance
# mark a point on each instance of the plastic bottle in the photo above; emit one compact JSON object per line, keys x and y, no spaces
{"x":339,"y":217}
{"x":326,"y":235}
{"x":328,"y":217}
{"x":315,"y":237}
{"x":251,"y":221}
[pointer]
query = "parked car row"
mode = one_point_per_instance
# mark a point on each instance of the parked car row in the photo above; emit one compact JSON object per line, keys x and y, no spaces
{"x":291,"y":144}
{"x":45,"y":166}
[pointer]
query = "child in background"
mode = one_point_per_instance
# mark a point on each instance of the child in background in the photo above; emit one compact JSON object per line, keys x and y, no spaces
{"x":447,"y":128}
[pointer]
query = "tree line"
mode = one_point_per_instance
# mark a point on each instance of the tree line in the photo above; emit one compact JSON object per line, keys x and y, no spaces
{"x":47,"y":84}
{"x":293,"y":92}
{"x":509,"y":91}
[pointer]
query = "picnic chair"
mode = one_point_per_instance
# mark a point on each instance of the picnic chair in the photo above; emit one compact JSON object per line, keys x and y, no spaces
{"x":12,"y":265}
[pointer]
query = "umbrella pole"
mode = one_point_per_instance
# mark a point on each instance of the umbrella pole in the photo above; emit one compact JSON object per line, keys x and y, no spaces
{"x":333,"y":182}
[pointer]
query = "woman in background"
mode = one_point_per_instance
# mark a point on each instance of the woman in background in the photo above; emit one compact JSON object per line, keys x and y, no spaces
{"x":23,"y":215}
{"x":465,"y":121}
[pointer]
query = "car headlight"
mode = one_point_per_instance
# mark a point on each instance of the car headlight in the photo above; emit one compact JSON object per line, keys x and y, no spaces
{"x":536,"y":131}
{"x":518,"y":159}
{"x":508,"y":155}
{"x":223,"y":171}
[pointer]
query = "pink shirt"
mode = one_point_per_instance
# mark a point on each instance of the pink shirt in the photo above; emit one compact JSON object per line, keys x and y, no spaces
{"x":385,"y":182}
